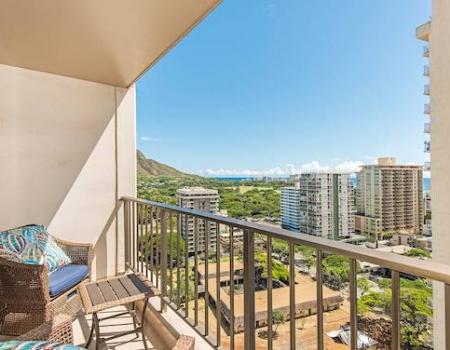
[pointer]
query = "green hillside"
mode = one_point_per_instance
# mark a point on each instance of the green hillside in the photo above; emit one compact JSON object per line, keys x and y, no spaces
{"x":150,"y":167}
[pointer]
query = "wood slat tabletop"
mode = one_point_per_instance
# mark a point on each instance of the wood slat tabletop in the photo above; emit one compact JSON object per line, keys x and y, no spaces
{"x":115,"y":291}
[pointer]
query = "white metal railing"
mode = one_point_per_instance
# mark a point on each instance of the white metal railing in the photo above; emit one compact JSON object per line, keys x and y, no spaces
{"x":155,"y":234}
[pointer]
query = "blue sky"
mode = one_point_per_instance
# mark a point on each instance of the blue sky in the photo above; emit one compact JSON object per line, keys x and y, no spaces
{"x":276,"y":86}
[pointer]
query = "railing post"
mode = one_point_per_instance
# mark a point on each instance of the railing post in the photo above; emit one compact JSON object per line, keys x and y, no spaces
{"x":353,"y":305}
{"x":249,"y":290}
{"x":163,"y":259}
{"x":395,"y":310}
{"x":447,"y":315}
{"x":319,"y":281}
{"x":126,"y":222}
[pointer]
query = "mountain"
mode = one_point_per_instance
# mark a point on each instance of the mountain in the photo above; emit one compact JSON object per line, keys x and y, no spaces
{"x":151,"y":167}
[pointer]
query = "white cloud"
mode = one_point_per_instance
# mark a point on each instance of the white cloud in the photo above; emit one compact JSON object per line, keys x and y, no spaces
{"x":349,"y":166}
{"x":288,"y":169}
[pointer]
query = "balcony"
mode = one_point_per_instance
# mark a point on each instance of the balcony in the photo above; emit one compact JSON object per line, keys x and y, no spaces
{"x":427,"y":146}
{"x":423,"y":31}
{"x":427,"y":166}
{"x":426,"y":90}
{"x":218,"y":309}
{"x":427,"y":128}
{"x":426,"y":51}
{"x":426,"y":70}
{"x":74,"y":171}
{"x":427,"y":109}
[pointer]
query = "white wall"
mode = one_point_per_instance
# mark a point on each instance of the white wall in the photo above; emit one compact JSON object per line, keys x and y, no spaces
{"x":440,"y":152}
{"x":63,"y":161}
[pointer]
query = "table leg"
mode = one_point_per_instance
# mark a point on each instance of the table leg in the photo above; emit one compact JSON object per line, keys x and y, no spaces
{"x":90,"y":334}
{"x":144,"y":309}
{"x":135,"y":321}
{"x":96,"y":323}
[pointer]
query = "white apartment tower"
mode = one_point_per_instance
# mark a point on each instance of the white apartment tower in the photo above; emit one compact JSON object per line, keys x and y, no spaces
{"x":389,"y":198}
{"x":321,"y":204}
{"x":290,"y":208}
{"x":201,"y":199}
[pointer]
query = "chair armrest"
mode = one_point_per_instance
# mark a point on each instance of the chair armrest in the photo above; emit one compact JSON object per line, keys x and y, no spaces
{"x":79,"y":253}
{"x":59,"y":330}
{"x":184,"y":343}
{"x":23,"y":282}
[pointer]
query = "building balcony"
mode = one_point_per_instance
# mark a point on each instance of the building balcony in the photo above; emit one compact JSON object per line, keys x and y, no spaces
{"x":426,"y":51}
{"x":426,"y":90}
{"x":243,"y":304}
{"x":74,"y":170}
{"x":427,"y":108}
{"x":427,"y":128}
{"x":427,"y":146}
{"x":423,"y":31}
{"x":426,"y":71}
{"x":427,"y":166}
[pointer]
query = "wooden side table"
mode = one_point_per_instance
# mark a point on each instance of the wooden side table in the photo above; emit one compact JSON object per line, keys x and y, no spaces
{"x":112,"y":292}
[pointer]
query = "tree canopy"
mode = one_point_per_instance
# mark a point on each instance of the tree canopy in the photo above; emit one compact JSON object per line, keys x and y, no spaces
{"x":415,"y":296}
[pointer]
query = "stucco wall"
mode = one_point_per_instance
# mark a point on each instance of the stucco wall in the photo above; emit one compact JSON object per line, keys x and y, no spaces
{"x":440,"y":150}
{"x":67,"y":152}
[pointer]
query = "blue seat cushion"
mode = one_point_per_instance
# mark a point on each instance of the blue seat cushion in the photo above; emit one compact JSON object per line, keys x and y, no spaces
{"x":35,"y":345}
{"x":65,"y":278}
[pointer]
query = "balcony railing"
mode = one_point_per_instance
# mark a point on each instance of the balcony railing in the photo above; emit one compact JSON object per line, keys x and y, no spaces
{"x":426,"y":108}
{"x":427,"y":146}
{"x":426,"y":51}
{"x":426,"y":128}
{"x":427,"y":166}
{"x":426,"y":70}
{"x":206,"y":290}
{"x":426,"y":90}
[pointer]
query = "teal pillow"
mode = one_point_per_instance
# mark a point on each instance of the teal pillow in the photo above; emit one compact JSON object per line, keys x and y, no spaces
{"x":35,"y":345}
{"x":33,"y":245}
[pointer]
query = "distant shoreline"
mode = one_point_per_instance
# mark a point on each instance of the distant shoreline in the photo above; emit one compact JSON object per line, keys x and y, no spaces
{"x":426,"y":180}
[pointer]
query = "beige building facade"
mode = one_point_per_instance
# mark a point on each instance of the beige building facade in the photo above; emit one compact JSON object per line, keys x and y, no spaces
{"x":67,"y":111}
{"x":389,"y":198}
{"x":435,"y":34}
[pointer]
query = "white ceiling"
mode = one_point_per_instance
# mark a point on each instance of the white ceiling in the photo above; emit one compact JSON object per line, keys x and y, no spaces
{"x":106,"y":41}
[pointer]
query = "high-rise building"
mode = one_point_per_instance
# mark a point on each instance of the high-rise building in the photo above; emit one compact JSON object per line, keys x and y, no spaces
{"x":321,"y":204}
{"x":201,"y":199}
{"x":389,"y":198}
{"x":437,"y":48}
{"x":290,"y":208}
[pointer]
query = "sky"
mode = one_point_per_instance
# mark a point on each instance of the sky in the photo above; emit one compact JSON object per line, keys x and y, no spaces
{"x":272,"y":87}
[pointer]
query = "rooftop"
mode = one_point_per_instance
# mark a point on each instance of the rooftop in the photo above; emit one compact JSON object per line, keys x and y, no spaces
{"x":196,"y":191}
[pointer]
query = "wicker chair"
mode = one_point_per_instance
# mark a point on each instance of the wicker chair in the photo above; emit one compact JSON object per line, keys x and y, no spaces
{"x":25,"y":302}
{"x":58,"y":330}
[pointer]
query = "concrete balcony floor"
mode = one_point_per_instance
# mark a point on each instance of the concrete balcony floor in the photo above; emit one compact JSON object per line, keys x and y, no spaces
{"x":110,"y":327}
{"x":161,"y":329}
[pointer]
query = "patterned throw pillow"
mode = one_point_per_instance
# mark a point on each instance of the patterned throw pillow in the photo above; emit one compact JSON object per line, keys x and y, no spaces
{"x":33,"y":245}
{"x":35,"y":345}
